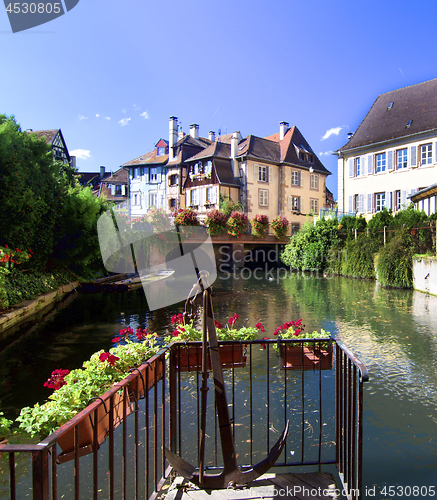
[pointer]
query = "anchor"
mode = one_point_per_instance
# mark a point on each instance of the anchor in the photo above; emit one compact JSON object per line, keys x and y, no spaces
{"x":231,"y":474}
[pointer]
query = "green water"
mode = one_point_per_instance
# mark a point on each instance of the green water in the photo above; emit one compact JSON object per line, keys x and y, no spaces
{"x":394,"y":332}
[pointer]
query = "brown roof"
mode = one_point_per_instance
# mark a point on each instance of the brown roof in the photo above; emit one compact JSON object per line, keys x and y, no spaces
{"x":48,"y":135}
{"x":147,"y":159}
{"x":257,"y":147}
{"x":215,"y":149}
{"x":225,"y":174}
{"x":121,"y":176}
{"x":384,"y":122}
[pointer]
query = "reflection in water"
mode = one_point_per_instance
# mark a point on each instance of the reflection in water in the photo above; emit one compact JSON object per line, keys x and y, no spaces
{"x":392,"y":331}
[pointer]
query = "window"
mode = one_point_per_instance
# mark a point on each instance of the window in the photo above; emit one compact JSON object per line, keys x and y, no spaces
{"x":194,"y":199}
{"x":263,"y":197}
{"x":357,"y":167}
{"x":402,"y":158}
{"x":379,"y":201}
{"x":314,"y":181}
{"x":137,"y":199}
{"x":118,"y":190}
{"x":295,"y":227}
{"x":426,"y":154}
{"x":263,"y":174}
{"x":153,"y":175}
{"x":134,"y":173}
{"x":294,"y":204}
{"x":153,"y":199}
{"x":173,"y":180}
{"x":161,"y":151}
{"x":172,"y":203}
{"x":295,"y":178}
{"x":314,"y":205}
{"x":210,"y":198}
{"x":381,"y":162}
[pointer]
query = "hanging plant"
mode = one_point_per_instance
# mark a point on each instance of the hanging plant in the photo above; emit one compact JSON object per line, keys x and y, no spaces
{"x":237,"y":224}
{"x":216,"y":222}
{"x":260,"y":225}
{"x":186,"y":217}
{"x":279,"y":226}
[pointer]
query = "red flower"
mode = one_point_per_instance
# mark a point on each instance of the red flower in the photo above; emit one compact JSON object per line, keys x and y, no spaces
{"x":260,"y":327}
{"x":297,"y":331}
{"x":218,"y":324}
{"x":116,"y":339}
{"x":233,"y":319}
{"x":177,"y":319}
{"x":175,"y":333}
{"x":264,"y":345}
{"x":110,"y":358}
{"x":56,"y":381}
{"x":141,"y":334}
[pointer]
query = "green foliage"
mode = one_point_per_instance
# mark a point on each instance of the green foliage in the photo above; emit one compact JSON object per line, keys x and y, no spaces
{"x":394,"y":262}
{"x":237,"y":224}
{"x":5,"y":425}
{"x":378,"y":221}
{"x":358,"y":257}
{"x":309,"y":248}
{"x":227,"y":206}
{"x":97,"y":376}
{"x":186,"y":217}
{"x":4,"y":299}
{"x":279,"y":226}
{"x":20,"y":286}
{"x":260,"y":225}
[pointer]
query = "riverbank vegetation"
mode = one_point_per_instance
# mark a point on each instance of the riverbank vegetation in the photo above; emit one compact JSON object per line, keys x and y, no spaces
{"x":48,"y":223}
{"x":383,"y":247}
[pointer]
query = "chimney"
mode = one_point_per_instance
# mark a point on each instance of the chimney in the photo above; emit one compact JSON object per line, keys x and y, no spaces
{"x":194,"y":131}
{"x":102,"y":171}
{"x":234,"y":149}
{"x":211,"y":135}
{"x":172,"y":136}
{"x":283,"y":128}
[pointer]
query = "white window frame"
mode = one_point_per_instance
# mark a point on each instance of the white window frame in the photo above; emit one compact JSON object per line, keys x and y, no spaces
{"x":295,"y":178}
{"x":263,"y":173}
{"x":398,"y":200}
{"x":379,"y":201}
{"x":357,"y":166}
{"x":210,"y":194}
{"x":314,"y":205}
{"x":153,"y":200}
{"x":381,"y":162}
{"x":426,"y":154}
{"x":263,"y":197}
{"x":161,"y":151}
{"x":314,"y":182}
{"x":401,"y":158}
{"x":153,"y":174}
{"x":194,"y":197}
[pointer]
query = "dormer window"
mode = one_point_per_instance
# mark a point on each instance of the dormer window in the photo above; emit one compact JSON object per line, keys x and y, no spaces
{"x":161,"y":151}
{"x":390,"y":105}
{"x":409,"y":123}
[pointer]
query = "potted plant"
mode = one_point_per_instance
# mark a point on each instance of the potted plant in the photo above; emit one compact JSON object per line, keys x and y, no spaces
{"x":190,"y":356}
{"x":279,"y":226}
{"x":73,"y":391}
{"x":216,"y":222}
{"x":308,"y":354}
{"x":260,"y":225}
{"x":237,"y":224}
{"x":186,"y":217}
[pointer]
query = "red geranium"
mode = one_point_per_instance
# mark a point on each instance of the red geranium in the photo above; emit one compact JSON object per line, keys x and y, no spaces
{"x":56,"y":381}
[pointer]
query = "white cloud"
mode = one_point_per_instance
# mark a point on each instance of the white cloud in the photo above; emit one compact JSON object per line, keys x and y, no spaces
{"x":97,"y":115}
{"x":331,"y":131}
{"x":81,"y":117}
{"x":82,"y":154}
{"x":326,"y":153}
{"x":124,"y":110}
{"x":107,"y":117}
{"x":145,"y":115}
{"x":124,"y":121}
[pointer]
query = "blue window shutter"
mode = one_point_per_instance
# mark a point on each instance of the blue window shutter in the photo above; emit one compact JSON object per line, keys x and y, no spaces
{"x":370,"y":164}
{"x":370,"y":202}
{"x":351,"y":167}
{"x":390,"y":160}
{"x":413,"y":156}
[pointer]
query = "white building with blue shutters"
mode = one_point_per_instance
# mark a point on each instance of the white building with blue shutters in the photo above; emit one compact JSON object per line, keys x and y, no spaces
{"x":392,"y":154}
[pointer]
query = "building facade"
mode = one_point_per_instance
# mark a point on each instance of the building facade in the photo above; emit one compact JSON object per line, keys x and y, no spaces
{"x":393,"y":153}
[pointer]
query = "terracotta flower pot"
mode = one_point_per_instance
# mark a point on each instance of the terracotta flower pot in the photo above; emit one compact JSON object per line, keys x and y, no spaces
{"x":86,"y":432}
{"x":148,"y":377}
{"x":296,"y":357}
{"x":189,"y":358}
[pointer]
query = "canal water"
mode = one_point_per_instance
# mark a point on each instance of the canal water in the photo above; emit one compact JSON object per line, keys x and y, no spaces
{"x":394,"y":332}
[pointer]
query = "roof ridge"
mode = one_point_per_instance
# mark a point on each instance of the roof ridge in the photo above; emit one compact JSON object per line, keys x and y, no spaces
{"x":406,"y":87}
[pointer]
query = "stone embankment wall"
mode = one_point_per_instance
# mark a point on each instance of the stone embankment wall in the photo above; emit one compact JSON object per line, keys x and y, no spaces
{"x":425,"y":274}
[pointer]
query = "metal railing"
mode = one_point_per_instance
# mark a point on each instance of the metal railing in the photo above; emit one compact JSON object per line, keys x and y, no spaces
{"x":318,"y":393}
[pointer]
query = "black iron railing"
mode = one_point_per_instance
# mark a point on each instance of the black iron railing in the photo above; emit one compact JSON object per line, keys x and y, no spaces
{"x":318,"y":390}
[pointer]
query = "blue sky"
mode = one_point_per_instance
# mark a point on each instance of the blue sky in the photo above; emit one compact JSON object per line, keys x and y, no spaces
{"x":110,"y":73}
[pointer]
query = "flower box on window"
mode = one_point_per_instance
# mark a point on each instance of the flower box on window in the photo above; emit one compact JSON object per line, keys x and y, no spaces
{"x":189,"y":357}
